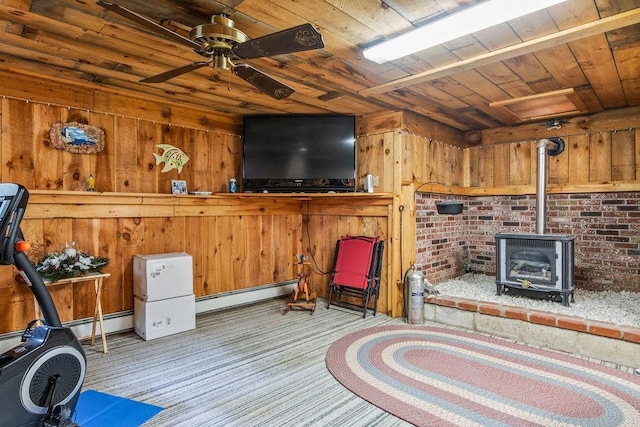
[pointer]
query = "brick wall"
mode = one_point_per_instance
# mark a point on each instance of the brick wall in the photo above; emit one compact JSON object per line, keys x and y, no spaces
{"x":441,"y":240}
{"x":606,"y":227}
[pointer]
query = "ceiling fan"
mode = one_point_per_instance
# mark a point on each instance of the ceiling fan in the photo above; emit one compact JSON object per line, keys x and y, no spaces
{"x":223,"y":45}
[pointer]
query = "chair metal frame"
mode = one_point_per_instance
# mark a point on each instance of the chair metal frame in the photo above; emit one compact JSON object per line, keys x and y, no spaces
{"x":351,"y":277}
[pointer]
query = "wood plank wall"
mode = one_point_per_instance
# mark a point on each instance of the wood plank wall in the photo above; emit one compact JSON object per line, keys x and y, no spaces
{"x":237,"y":241}
{"x":359,"y":216}
{"x":602,"y":153}
{"x":431,"y":161}
{"x":407,"y":153}
{"x":234,"y":245}
{"x":126,"y":165}
{"x":602,"y":158}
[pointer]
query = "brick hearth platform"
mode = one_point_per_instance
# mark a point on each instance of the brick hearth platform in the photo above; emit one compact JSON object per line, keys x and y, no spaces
{"x":619,"y":345}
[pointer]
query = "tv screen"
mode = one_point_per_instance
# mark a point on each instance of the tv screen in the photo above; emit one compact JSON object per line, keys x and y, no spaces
{"x":299,"y":153}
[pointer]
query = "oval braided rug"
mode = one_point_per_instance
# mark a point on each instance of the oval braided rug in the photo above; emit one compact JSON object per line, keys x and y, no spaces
{"x":432,"y":376}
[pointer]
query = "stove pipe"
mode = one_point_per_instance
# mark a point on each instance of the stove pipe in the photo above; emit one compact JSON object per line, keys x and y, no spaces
{"x":552,"y":147}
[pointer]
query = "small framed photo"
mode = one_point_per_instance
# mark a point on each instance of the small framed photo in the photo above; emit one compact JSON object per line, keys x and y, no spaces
{"x":178,"y":186}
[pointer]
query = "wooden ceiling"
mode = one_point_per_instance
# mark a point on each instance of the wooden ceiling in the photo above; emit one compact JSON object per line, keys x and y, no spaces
{"x":585,"y":50}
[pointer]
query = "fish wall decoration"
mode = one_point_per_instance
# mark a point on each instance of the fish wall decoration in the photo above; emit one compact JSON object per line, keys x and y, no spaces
{"x":173,"y":158}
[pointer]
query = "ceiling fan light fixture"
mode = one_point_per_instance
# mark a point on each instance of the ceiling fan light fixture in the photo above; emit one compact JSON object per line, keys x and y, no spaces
{"x":221,"y":62}
{"x":222,"y":44}
{"x":219,"y":34}
{"x":467,"y":21}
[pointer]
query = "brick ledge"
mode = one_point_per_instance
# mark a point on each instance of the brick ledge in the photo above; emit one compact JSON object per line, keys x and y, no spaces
{"x":562,"y":321}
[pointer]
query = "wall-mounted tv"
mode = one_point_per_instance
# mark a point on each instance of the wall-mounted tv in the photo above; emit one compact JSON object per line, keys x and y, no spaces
{"x":299,"y":153}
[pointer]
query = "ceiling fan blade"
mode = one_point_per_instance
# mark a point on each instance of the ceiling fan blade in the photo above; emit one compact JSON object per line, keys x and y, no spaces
{"x":296,"y":39}
{"x":162,"y":77}
{"x":263,"y":82}
{"x":146,"y":22}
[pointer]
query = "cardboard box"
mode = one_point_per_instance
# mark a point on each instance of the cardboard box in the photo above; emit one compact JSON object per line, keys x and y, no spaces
{"x":157,"y":319}
{"x":161,"y":276}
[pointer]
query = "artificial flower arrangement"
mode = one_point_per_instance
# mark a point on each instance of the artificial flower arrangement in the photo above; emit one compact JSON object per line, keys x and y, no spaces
{"x":69,"y":263}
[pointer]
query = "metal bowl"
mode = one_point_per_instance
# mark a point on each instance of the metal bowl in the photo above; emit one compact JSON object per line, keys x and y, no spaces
{"x":449,"y":207}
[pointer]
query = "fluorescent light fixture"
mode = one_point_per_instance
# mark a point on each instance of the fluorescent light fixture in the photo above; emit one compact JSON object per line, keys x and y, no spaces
{"x":467,"y":21}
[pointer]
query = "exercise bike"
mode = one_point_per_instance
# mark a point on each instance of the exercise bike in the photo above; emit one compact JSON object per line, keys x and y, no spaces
{"x":40,"y":379}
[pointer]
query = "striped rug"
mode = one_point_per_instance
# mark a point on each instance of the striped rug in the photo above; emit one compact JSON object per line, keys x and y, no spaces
{"x":432,"y":376}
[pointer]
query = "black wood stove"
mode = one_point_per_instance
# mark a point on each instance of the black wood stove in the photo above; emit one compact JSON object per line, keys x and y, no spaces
{"x":537,"y":265}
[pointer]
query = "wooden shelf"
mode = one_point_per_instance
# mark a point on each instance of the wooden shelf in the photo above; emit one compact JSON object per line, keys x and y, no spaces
{"x":508,"y":190}
{"x":79,"y":204}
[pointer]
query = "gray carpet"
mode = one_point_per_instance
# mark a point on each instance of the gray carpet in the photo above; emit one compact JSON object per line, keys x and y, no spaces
{"x":244,"y":366}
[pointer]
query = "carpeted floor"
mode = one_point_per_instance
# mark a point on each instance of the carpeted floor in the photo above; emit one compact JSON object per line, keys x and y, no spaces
{"x":436,"y":376}
{"x":241,"y":367}
{"x":244,"y":366}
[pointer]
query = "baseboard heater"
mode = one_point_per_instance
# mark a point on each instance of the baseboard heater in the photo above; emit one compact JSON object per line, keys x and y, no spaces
{"x":124,"y":320}
{"x":244,"y":296}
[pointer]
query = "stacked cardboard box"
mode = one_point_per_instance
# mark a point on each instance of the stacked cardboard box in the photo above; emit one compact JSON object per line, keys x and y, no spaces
{"x":164,"y":302}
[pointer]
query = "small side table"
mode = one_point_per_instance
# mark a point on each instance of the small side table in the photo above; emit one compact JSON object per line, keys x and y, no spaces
{"x":97,"y":312}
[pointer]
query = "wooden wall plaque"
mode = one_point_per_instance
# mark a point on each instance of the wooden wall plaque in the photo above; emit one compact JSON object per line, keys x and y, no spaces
{"x":77,"y":138}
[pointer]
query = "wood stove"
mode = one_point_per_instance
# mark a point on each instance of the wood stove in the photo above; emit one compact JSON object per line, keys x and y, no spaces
{"x":537,"y":265}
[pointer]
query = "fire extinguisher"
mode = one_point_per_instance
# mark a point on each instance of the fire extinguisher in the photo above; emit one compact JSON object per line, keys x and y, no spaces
{"x":414,"y":295}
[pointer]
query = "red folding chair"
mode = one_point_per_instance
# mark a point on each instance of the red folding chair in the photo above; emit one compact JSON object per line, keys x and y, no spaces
{"x":356,"y":272}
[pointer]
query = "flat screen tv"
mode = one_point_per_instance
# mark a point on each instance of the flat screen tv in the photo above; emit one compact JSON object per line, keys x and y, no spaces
{"x":299,"y":153}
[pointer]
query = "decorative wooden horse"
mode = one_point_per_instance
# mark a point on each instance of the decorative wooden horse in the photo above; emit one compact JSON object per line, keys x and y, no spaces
{"x":301,"y":297}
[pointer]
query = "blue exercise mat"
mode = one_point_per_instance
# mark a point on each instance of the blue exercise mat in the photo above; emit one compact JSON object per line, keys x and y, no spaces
{"x":97,"y":409}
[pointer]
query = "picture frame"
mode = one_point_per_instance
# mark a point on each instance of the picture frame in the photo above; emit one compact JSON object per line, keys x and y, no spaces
{"x":178,"y":186}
